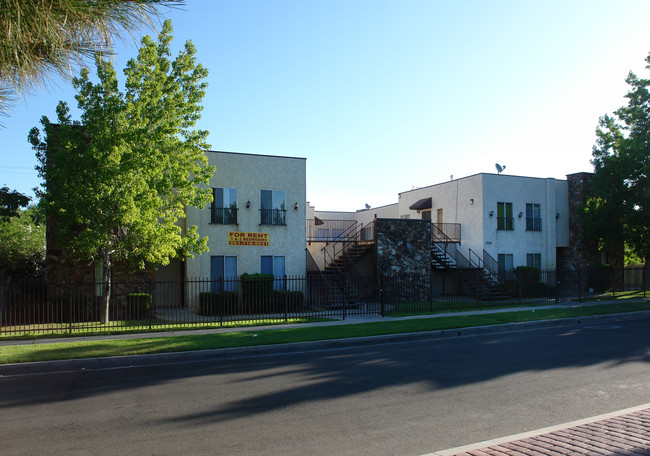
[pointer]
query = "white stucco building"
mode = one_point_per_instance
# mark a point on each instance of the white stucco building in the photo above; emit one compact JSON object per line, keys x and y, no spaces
{"x":518,"y":221}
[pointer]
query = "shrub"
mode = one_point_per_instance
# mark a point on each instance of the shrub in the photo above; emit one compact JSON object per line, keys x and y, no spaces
{"x":256,"y":289}
{"x":214,"y":304}
{"x":600,"y":277}
{"x":137,"y":306}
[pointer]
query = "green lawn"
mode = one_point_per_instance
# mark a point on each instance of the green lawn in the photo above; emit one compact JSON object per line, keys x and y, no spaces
{"x":56,"y":330}
{"x":101,"y":348}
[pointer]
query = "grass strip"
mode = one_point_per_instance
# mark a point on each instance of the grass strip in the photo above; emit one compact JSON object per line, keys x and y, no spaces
{"x":121,"y":347}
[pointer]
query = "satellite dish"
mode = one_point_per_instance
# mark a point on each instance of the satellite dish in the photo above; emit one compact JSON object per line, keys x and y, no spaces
{"x":367,"y":206}
{"x":499,"y":168}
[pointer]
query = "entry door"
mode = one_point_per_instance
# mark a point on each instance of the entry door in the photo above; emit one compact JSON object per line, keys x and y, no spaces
{"x":426,"y":215}
{"x":439,"y":217}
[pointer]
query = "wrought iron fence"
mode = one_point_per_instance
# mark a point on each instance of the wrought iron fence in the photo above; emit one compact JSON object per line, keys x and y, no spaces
{"x":28,"y":307}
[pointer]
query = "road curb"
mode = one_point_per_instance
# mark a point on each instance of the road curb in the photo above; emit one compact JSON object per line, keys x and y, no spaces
{"x":117,"y":362}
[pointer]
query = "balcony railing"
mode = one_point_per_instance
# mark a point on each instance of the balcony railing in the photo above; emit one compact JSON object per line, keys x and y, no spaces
{"x":224,"y":215}
{"x":273,"y":217}
{"x":533,"y":224}
{"x":446,"y":232}
{"x":505,"y":223}
{"x":329,"y":230}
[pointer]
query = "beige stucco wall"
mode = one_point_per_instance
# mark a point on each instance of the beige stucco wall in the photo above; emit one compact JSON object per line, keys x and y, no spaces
{"x":250,"y":174}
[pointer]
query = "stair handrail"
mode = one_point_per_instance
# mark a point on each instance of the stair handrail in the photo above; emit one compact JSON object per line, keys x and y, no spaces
{"x":315,"y":268}
{"x":492,"y":267}
{"x":347,"y":241}
{"x":478,"y":264}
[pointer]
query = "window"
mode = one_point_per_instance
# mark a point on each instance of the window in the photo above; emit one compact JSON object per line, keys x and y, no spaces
{"x":273,"y":208}
{"x":224,"y":206}
{"x":533,"y":217}
{"x":274,"y":265}
{"x":534,"y":260}
{"x":505,"y":265}
{"x":223,"y":273}
{"x":322,"y":234}
{"x":504,"y":216}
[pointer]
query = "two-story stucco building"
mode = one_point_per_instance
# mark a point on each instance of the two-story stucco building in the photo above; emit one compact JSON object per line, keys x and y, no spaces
{"x":516,"y":220}
{"x":256,"y":223}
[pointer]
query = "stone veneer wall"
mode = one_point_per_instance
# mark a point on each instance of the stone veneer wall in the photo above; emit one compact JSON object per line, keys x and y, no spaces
{"x":403,"y":246}
{"x":579,"y":255}
{"x":404,"y":254}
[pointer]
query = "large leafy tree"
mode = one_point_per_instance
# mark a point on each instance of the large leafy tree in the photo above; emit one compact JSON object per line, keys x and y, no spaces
{"x":618,"y":212}
{"x":118,"y":181}
{"x":39,"y":37}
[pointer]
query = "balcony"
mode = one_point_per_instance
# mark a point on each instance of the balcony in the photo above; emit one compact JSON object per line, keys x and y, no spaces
{"x":273,"y":217}
{"x":224,"y":215}
{"x":505,"y":223}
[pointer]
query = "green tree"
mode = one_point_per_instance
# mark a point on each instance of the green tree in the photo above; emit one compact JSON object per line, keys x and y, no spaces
{"x":118,"y":181}
{"x":11,"y":201}
{"x":22,"y":243}
{"x":618,"y":211}
{"x":50,"y":36}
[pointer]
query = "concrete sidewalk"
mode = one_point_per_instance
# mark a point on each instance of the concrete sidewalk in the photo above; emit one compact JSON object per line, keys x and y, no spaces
{"x":622,"y":433}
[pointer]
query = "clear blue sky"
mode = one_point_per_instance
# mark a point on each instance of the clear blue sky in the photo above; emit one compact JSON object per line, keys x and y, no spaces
{"x":383,"y":96}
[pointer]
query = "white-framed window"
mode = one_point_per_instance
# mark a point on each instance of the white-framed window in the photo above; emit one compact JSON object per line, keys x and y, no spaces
{"x":534,"y":260}
{"x":224,"y":206}
{"x":533,"y":217}
{"x":275,"y":266}
{"x":223,"y":273}
{"x":273,"y":207}
{"x":505,"y":261}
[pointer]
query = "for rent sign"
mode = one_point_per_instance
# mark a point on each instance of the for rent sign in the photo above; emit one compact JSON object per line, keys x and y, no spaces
{"x":240,"y":238}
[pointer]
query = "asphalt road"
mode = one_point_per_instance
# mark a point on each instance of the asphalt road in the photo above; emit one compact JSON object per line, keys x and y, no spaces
{"x":407,"y":398}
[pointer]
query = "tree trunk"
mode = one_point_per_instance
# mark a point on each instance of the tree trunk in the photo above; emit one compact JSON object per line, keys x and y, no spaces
{"x":106,"y":279}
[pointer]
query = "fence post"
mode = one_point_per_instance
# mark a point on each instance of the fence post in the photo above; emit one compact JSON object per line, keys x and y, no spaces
{"x":579,"y":272}
{"x":381,"y":295}
{"x":344,"y":303}
{"x":221,"y":302}
{"x":286,"y":300}
{"x":70,"y":312}
{"x":430,"y":277}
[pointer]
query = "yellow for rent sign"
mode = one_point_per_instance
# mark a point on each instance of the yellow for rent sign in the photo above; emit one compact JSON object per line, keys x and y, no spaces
{"x":241,"y":238}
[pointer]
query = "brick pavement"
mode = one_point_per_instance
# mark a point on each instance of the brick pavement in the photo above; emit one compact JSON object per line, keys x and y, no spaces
{"x":618,"y":434}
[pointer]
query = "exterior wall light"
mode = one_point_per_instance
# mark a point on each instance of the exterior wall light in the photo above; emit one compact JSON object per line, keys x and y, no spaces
{"x":248,"y":204}
{"x":521,"y":214}
{"x":471,"y":201}
{"x":557,"y":216}
{"x":296,"y":206}
{"x":491,"y":213}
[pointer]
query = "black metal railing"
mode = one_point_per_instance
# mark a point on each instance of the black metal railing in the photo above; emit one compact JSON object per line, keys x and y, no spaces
{"x":446,"y":232}
{"x":224,"y":215}
{"x":533,"y":224}
{"x":273,"y":217}
{"x":38,"y":307}
{"x":329,"y":230}
{"x":505,"y":223}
